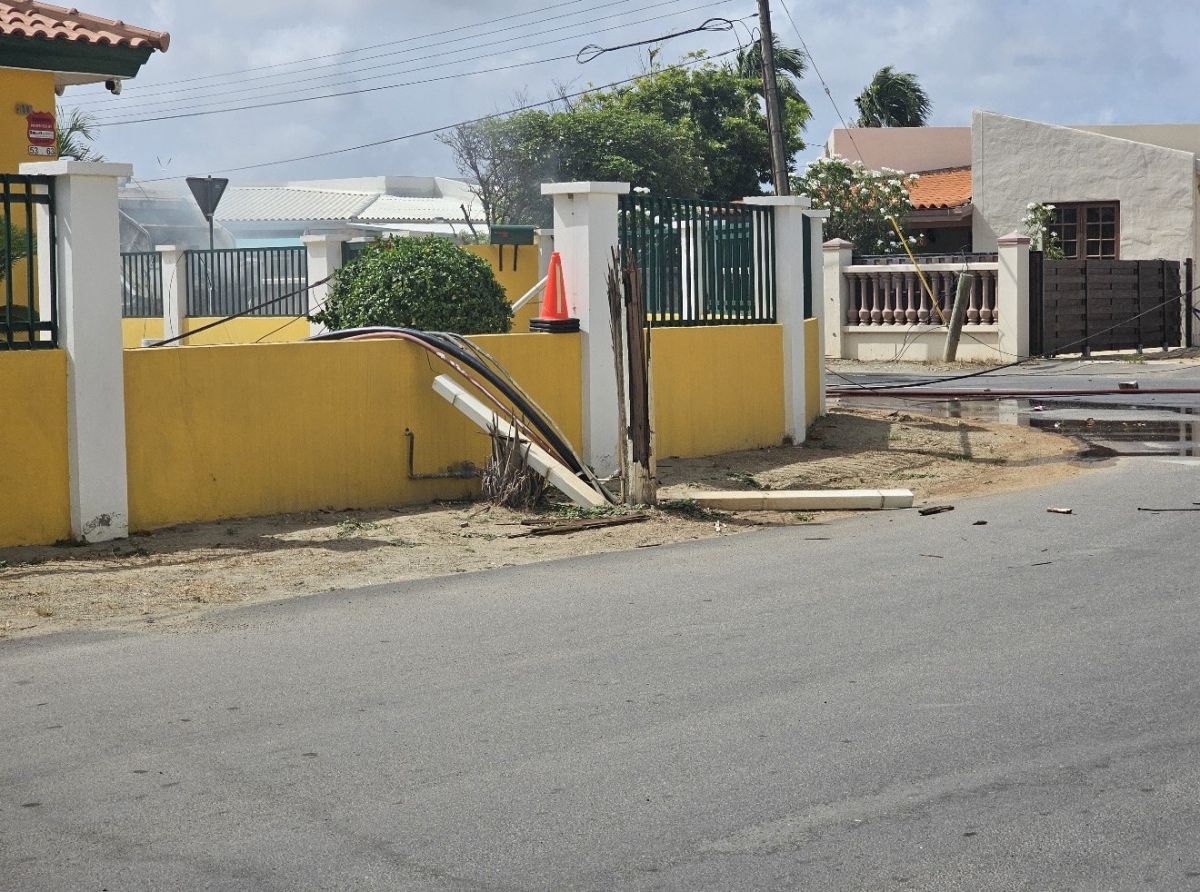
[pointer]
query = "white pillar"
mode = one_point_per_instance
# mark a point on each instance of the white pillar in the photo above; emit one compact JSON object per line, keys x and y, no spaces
{"x":1012,"y":295}
{"x":816,"y":221}
{"x":324,"y":259}
{"x":790,"y":211}
{"x":839,"y":254}
{"x":174,"y":286}
{"x":89,"y":294}
{"x":585,"y":232}
{"x":545,"y":243}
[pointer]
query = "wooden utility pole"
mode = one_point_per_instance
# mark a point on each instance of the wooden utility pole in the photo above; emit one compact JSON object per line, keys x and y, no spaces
{"x":962,"y":296}
{"x":779,"y":169}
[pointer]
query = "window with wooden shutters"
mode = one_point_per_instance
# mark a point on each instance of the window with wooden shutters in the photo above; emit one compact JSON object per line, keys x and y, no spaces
{"x":1088,"y":231}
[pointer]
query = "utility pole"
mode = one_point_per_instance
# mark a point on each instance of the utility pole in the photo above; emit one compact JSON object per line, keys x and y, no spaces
{"x":779,"y":174}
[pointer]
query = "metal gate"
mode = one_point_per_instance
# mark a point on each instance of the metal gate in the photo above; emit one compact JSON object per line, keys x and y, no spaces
{"x":702,"y":263}
{"x":1077,"y":306}
{"x":28,"y":314}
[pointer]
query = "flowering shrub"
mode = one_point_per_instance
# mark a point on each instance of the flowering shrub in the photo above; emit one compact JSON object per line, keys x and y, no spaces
{"x":861,"y":202}
{"x":1037,"y":221}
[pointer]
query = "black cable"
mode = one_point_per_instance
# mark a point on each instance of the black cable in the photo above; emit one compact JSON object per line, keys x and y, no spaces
{"x":185,"y":108}
{"x":545,"y":428}
{"x":592,"y":51}
{"x":244,"y":312}
{"x":433,"y":130}
{"x":1041,"y":356}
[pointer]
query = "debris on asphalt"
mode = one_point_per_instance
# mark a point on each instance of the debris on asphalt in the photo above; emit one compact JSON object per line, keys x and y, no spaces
{"x":1127,"y":385}
{"x":934,"y":555}
{"x":1042,"y":564}
{"x":1060,"y":510}
{"x":1157,"y":510}
{"x":935,"y":509}
{"x":559,"y":527}
{"x":979,"y":523}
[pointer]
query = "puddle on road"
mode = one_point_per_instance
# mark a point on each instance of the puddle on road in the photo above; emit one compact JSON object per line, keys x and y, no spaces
{"x":1103,"y":429}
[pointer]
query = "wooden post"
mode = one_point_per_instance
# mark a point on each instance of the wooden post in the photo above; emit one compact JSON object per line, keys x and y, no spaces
{"x":779,"y":171}
{"x":966,"y":283}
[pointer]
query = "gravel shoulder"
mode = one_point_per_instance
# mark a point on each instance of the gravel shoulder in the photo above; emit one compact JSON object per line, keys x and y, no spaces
{"x":169,"y":580}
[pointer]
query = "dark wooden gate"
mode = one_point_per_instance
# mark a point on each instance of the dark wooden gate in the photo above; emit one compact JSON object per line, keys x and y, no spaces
{"x":1088,"y":305}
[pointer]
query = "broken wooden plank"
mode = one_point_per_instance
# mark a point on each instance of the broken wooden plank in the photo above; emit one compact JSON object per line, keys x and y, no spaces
{"x":556,"y":528}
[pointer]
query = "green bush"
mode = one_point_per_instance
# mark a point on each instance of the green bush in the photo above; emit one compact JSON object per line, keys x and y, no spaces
{"x":427,"y":282}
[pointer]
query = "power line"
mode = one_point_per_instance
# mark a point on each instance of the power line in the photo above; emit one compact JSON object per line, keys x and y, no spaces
{"x":218,"y":90}
{"x":376,"y":46}
{"x":192,"y":108}
{"x":824,"y":85}
{"x":429,"y":132}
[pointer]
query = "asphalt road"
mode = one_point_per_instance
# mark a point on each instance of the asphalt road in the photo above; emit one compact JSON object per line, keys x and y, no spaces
{"x":889,"y":702}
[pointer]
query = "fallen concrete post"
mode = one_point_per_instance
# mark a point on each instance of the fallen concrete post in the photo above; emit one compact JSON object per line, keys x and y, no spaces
{"x":557,"y":474}
{"x":805,"y":500}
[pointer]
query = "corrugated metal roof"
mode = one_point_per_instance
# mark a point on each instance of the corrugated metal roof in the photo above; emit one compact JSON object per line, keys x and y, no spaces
{"x":267,"y":203}
{"x":400,"y":207}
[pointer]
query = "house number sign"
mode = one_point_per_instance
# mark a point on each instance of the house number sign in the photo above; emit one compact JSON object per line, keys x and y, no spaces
{"x":41,"y":134}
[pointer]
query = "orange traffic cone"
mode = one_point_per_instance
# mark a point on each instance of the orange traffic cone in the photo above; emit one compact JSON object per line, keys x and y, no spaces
{"x":554,"y":317}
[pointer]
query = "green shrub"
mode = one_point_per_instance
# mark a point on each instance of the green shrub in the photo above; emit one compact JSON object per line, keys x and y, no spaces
{"x":426,"y":282}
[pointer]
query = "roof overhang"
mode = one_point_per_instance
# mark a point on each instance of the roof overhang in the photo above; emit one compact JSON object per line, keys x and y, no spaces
{"x":74,"y":61}
{"x":926,"y":216}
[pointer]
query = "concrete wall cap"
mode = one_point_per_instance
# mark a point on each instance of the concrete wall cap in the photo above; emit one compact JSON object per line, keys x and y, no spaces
{"x":837,"y":244}
{"x":791,"y":201}
{"x":70,"y":167}
{"x":322,"y":239}
{"x":1013,"y":238}
{"x":585,"y":188}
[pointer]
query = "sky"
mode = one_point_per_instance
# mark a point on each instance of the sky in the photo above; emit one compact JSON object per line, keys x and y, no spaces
{"x":1059,"y":61}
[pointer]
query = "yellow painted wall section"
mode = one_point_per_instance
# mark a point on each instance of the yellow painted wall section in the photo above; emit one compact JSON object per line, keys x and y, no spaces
{"x":814,"y":356}
{"x":218,"y":432}
{"x":134,"y":329}
{"x":35,"y":507}
{"x":34,"y":89}
{"x":717,"y":388}
{"x":246,"y":330}
{"x":516,"y":268}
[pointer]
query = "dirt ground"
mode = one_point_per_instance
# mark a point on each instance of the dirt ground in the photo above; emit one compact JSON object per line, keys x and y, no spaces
{"x":168,"y":580}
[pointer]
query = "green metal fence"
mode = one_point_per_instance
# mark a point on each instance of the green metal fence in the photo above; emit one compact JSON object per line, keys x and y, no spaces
{"x":141,"y":285}
{"x":263,"y":281}
{"x":702,"y":263}
{"x":28,"y":319}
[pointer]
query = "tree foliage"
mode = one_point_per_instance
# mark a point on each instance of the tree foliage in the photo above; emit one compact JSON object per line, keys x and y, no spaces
{"x":861,"y":203}
{"x":893,"y":99}
{"x":424,"y":282}
{"x":22,"y":245}
{"x":74,"y":138}
{"x":790,"y":66}
{"x":689,"y":131}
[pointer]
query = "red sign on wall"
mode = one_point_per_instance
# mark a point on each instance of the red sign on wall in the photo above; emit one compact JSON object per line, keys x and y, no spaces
{"x":41,"y":133}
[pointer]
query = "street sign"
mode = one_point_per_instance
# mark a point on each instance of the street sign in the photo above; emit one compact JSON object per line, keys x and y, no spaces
{"x":208,"y":191}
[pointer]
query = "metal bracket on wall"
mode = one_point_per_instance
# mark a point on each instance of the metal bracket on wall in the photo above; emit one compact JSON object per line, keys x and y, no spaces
{"x":465,"y":470}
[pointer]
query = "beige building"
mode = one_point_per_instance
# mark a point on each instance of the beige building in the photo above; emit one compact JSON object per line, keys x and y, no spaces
{"x":1120,"y":191}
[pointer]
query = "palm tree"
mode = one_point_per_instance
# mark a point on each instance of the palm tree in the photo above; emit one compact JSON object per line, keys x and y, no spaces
{"x":893,"y":99}
{"x":790,"y":66}
{"x":74,"y":138}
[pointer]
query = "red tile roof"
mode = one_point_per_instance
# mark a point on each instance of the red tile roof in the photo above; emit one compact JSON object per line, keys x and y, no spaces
{"x":23,"y":18}
{"x":949,"y":188}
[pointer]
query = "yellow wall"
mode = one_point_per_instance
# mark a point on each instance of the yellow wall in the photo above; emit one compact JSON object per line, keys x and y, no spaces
{"x":814,"y":356}
{"x":241,"y":430}
{"x":133,"y":329}
{"x":35,"y":505}
{"x":717,"y":388}
{"x":246,"y":330}
{"x":17,"y":87}
{"x":515,"y":282}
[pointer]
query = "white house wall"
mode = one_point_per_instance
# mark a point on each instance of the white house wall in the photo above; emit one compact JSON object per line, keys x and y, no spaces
{"x":1015,"y":162}
{"x":910,"y":149}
